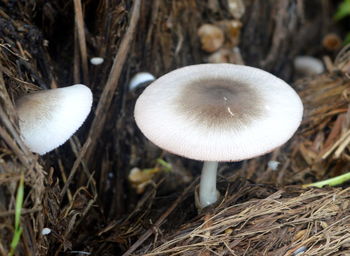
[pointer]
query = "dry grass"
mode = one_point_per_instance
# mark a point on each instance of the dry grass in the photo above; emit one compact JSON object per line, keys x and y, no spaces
{"x":278,"y":224}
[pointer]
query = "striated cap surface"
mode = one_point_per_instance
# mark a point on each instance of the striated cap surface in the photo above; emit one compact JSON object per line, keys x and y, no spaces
{"x":49,"y":118}
{"x":218,"y":112}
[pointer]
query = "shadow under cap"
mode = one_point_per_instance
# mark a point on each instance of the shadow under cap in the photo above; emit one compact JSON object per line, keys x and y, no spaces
{"x":220,"y":103}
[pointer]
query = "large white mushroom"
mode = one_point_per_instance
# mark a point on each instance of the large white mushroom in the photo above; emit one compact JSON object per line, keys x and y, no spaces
{"x":49,"y":118}
{"x":218,"y":112}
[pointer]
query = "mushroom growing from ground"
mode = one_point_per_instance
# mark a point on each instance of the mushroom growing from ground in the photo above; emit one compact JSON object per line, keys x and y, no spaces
{"x":96,"y":61}
{"x":308,"y":65}
{"x":332,"y":42}
{"x":218,"y":112}
{"x":49,"y":118}
{"x":211,"y":37}
{"x":139,"y":79}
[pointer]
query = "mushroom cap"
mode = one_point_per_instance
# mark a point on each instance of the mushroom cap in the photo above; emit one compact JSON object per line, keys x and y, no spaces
{"x":218,"y":112}
{"x":308,"y":65}
{"x":96,"y":61}
{"x":140,"y":79}
{"x":49,"y":118}
{"x":211,"y":37}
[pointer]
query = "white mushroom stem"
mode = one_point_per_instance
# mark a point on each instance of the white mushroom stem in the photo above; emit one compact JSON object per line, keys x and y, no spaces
{"x":207,"y":189}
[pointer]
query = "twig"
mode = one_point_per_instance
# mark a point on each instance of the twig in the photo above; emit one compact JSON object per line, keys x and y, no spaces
{"x":64,"y":178}
{"x":76,"y":147}
{"x":79,"y":21}
{"x":112,"y":82}
{"x":343,"y":138}
{"x":12,"y":144}
{"x":160,"y":221}
{"x":75,"y":166}
{"x":6,"y":120}
{"x":23,"y":211}
{"x":76,"y":70}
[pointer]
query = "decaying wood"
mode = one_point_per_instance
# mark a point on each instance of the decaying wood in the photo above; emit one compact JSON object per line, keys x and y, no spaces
{"x":113,"y":78}
{"x":79,"y":19}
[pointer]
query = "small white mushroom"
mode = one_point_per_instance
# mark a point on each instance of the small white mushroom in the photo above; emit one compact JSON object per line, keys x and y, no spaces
{"x":236,"y":8}
{"x":232,"y":31}
{"x":96,"y":61}
{"x":45,"y":231}
{"x":218,"y":112}
{"x":140,"y":79}
{"x":273,"y":165}
{"x":308,"y":65}
{"x":211,"y":37}
{"x":49,"y":118}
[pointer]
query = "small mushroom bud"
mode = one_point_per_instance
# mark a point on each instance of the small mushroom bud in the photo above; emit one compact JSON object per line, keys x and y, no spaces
{"x":332,"y":42}
{"x":236,"y":8}
{"x":211,"y":37}
{"x":140,"y":79}
{"x":96,"y":61}
{"x":232,"y":29}
{"x":45,"y":231}
{"x":308,"y":65}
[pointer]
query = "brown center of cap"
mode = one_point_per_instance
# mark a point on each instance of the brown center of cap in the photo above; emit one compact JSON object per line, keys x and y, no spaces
{"x":220,"y":103}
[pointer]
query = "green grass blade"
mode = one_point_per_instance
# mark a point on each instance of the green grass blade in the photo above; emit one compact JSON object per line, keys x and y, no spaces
{"x":18,"y":210}
{"x":19,"y":201}
{"x":15,"y":239}
{"x":166,"y":166}
{"x":330,"y":182}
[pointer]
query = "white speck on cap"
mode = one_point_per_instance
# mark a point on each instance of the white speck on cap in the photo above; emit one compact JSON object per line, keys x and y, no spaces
{"x":49,"y":118}
{"x":218,"y":112}
{"x":139,"y":79}
{"x":96,"y":61}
